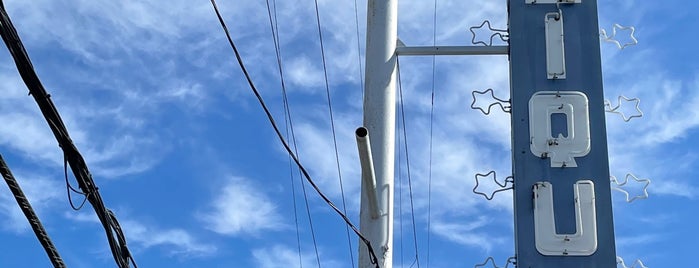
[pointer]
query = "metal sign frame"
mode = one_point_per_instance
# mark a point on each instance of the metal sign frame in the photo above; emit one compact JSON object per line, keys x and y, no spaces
{"x":583,"y":74}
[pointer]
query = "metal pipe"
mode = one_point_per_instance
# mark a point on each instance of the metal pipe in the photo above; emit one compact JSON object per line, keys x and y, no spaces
{"x":368,"y":176}
{"x":380,"y":120}
{"x":452,"y":50}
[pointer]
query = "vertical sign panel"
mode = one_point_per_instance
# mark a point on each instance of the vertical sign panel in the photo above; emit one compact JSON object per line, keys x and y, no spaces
{"x":562,"y":198}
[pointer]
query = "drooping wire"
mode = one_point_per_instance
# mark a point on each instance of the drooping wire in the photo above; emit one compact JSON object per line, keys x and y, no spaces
{"x":115,"y":236}
{"x":289,"y":132}
{"x":429,"y":176}
{"x":31,"y":216}
{"x":332,"y":126}
{"x":407,"y":161}
{"x":400,"y":195}
{"x":69,"y":188}
{"x":359,"y":48}
{"x":372,"y":254}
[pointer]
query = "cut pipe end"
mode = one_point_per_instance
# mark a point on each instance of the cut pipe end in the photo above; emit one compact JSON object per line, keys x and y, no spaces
{"x":361,"y":132}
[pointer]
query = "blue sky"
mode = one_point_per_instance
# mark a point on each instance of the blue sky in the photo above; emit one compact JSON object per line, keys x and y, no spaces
{"x":183,"y":153}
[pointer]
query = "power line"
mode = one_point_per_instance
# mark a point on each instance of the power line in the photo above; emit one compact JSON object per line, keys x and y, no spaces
{"x":374,"y":259}
{"x":359,"y":48}
{"x":429,"y":176}
{"x":332,"y":126}
{"x":290,"y":133}
{"x":407,"y":161}
{"x":31,"y":216}
{"x":115,"y":236}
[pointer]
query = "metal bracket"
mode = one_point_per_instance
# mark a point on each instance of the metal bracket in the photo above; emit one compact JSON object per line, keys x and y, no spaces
{"x":610,"y":109}
{"x":611,"y":38}
{"x":553,"y":1}
{"x":618,"y":186}
{"x":504,"y":104}
{"x":503,"y":186}
{"x":498,"y":32}
{"x":510,"y":260}
{"x":620,"y":261}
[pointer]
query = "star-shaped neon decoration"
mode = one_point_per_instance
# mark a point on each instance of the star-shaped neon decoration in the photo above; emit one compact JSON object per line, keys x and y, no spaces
{"x":636,"y":264}
{"x":630,"y":199}
{"x":504,"y":104}
{"x":615,"y":109}
{"x":510,"y":260}
{"x":611,"y":38}
{"x":503,"y":186}
{"x":502,"y":34}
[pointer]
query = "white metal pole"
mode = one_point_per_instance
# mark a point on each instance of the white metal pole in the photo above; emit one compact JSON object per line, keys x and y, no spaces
{"x":380,"y":120}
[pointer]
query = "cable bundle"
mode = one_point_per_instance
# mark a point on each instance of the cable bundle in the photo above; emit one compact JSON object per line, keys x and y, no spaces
{"x":115,"y":236}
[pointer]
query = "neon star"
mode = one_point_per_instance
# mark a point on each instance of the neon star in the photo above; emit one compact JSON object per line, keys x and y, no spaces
{"x":612,"y":39}
{"x":615,"y":109}
{"x":620,"y":261}
{"x":498,"y":32}
{"x":618,"y":186}
{"x":505,"y":107}
{"x":493,"y":265}
{"x":503,"y":186}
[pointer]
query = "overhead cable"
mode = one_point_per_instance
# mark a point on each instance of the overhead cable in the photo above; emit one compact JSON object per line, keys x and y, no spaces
{"x":374,"y":259}
{"x":332,"y":127}
{"x":115,"y":236}
{"x":290,"y":135}
{"x":31,"y":216}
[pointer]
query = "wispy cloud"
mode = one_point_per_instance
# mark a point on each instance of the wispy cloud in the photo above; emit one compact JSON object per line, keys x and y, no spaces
{"x":42,"y":193}
{"x":240,"y":208}
{"x":177,"y":242}
{"x":468,"y":234}
{"x":280,"y":256}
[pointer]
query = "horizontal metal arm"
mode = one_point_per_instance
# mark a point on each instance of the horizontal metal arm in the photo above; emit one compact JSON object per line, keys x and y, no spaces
{"x":452,"y":50}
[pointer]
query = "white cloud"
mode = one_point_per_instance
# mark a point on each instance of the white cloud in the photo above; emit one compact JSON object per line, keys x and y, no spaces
{"x":305,"y":74}
{"x":41,"y":193}
{"x":280,"y":256}
{"x":467,"y":234}
{"x":179,"y":242}
{"x":241,"y":208}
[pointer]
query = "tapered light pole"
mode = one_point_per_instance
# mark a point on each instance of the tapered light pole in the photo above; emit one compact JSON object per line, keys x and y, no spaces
{"x":380,"y":122}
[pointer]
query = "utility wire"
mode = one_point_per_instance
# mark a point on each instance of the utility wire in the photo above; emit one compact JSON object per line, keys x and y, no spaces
{"x":289,"y":131}
{"x":374,"y":259}
{"x":429,"y":176}
{"x":31,"y":216}
{"x":332,"y":126}
{"x":115,"y":236}
{"x":407,"y":161}
{"x":359,"y":49}
{"x":400,"y":195}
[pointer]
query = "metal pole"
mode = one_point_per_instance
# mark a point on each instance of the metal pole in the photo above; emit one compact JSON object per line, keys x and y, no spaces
{"x":380,"y":120}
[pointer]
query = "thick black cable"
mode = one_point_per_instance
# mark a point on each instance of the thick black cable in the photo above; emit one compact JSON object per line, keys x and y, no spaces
{"x":115,"y":236}
{"x":374,"y":259}
{"x":289,"y":128}
{"x":407,"y":161}
{"x":332,"y":127}
{"x":31,"y":216}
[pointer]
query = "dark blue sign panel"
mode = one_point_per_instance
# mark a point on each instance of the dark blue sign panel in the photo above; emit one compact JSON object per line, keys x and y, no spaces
{"x":562,"y":197}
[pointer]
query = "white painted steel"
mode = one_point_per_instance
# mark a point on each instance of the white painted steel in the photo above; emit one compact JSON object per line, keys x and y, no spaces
{"x":584,"y":241}
{"x":562,"y":150}
{"x":553,"y":1}
{"x":380,"y":120}
{"x":368,"y":176}
{"x":555,"y":48}
{"x":452,"y":50}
